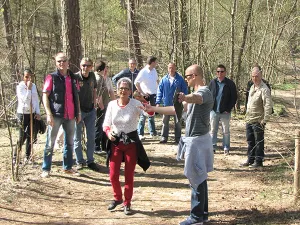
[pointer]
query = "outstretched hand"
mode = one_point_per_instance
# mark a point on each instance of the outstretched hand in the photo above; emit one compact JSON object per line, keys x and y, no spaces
{"x":181,"y":97}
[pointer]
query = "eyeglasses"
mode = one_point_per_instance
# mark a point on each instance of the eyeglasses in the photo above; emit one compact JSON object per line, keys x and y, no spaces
{"x":85,"y":65}
{"x":124,"y":89}
{"x":59,"y":61}
{"x":220,"y":71}
{"x":188,"y":75}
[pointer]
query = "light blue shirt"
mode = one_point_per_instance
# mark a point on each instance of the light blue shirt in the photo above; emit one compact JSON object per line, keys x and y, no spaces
{"x":219,"y":96}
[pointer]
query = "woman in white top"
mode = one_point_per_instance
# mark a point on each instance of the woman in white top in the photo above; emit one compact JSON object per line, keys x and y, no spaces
{"x":27,"y":98}
{"x":120,"y":126}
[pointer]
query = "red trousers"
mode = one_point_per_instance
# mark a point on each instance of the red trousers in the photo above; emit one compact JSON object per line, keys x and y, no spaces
{"x":130,"y":158}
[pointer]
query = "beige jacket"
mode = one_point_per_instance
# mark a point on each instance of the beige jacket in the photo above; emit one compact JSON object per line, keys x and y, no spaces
{"x":259,"y":107}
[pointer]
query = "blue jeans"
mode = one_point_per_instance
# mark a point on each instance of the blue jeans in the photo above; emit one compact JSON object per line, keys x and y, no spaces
{"x":68,"y":127}
{"x":165,"y":127}
{"x":255,"y":139}
{"x":199,"y":202}
{"x":141,"y":125}
{"x":87,"y":119}
{"x":215,"y":118}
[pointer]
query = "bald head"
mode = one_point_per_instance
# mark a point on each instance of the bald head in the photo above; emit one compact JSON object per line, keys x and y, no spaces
{"x":194,"y":76}
{"x":195,"y":69}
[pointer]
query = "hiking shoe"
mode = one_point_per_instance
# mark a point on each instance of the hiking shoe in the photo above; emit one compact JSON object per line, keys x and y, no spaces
{"x":79,"y":166}
{"x":98,"y":152}
{"x":114,"y":204}
{"x":256,"y":165}
{"x":127,"y":210}
{"x":72,"y":172}
{"x":247,"y":163}
{"x":45,"y":174}
{"x":163,"y":140}
{"x":205,"y":217}
{"x":226,"y":150}
{"x":141,"y":137}
{"x":93,"y":166}
{"x":190,"y":221}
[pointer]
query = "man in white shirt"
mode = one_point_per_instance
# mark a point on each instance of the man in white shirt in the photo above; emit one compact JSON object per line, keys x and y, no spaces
{"x":146,"y":83}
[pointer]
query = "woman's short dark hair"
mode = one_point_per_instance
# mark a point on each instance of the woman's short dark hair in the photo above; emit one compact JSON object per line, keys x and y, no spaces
{"x":100,"y":66}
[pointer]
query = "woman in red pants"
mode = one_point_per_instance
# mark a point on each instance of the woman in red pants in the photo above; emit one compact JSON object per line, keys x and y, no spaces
{"x":120,"y":126}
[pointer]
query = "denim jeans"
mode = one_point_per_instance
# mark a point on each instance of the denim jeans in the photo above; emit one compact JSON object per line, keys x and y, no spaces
{"x":69,"y":128}
{"x":99,"y":129}
{"x":141,"y":125}
{"x":165,"y":127}
{"x":199,"y":202}
{"x":255,"y":139}
{"x":88,"y":120}
{"x":215,"y":118}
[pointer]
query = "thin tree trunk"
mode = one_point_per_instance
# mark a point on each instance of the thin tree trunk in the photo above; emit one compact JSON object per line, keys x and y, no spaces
{"x":232,"y":38}
{"x":56,"y":29}
{"x":241,"y":51}
{"x":71,"y":32}
{"x":9,"y":35}
{"x":135,"y":34}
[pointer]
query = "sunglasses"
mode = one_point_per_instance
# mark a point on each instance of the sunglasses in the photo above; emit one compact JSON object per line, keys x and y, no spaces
{"x":86,"y":65}
{"x":188,"y":75}
{"x":124,"y":89}
{"x":59,"y":61}
{"x":27,"y":77}
{"x":220,"y":71}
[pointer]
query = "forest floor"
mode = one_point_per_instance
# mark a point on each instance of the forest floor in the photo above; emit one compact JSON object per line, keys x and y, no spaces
{"x":161,"y":195}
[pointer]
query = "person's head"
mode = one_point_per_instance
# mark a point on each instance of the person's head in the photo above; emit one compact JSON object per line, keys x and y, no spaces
{"x":100,"y":66}
{"x":138,"y":96}
{"x":221,"y":72}
{"x":172,"y":69}
{"x":86,"y":65}
{"x":256,"y":75}
{"x":27,"y":75}
{"x":194,"y":75}
{"x":124,"y":87}
{"x":132,"y":64}
{"x":152,"y":61}
{"x":61,"y":62}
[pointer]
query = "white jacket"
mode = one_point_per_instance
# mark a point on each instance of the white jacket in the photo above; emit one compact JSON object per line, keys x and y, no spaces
{"x":24,"y":97}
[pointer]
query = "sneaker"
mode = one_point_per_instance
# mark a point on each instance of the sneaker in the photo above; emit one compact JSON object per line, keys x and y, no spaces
{"x":127,"y":210}
{"x":205,"y":217}
{"x":72,"y":172}
{"x":114,"y":204}
{"x":98,"y":152}
{"x":256,"y":165}
{"x":226,"y":151}
{"x":247,"y":163}
{"x":141,"y":137}
{"x":45,"y":174}
{"x":163,"y":140}
{"x":93,"y":166}
{"x":152,"y":135}
{"x":79,"y":166}
{"x":190,"y":221}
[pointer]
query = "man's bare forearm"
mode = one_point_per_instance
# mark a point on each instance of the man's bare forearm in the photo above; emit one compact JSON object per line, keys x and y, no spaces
{"x":192,"y":98}
{"x":46,"y":104}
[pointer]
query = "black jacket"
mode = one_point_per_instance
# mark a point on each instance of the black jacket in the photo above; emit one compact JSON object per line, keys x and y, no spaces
{"x":229,"y":94}
{"x":142,"y":158}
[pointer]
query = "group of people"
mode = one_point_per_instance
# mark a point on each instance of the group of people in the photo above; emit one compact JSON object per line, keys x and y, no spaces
{"x":87,"y":99}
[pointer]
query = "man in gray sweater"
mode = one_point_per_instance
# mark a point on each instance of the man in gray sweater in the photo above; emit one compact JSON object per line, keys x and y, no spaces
{"x":196,"y":147}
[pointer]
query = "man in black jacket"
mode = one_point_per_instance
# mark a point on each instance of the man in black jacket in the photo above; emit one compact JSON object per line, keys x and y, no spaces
{"x":131,"y":72}
{"x":225,"y":95}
